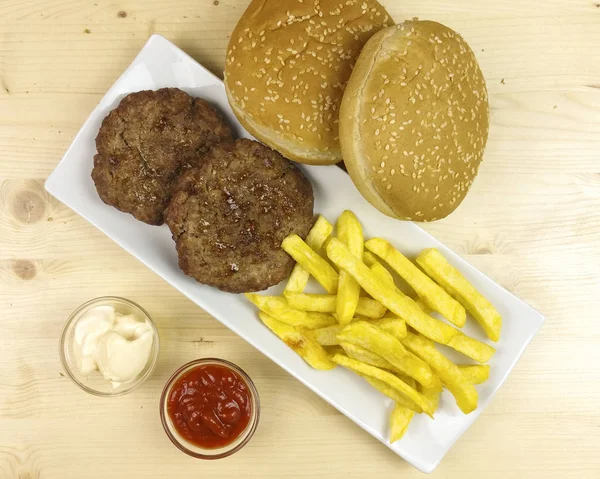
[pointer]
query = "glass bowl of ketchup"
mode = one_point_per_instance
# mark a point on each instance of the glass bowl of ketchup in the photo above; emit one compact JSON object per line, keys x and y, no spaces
{"x":210,"y":408}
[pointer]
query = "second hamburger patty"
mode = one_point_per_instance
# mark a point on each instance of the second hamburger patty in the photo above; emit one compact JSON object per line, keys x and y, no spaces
{"x":229,"y":216}
{"x":145,"y":142}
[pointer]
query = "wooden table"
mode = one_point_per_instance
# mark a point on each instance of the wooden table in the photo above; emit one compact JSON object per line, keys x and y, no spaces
{"x":532,"y":222}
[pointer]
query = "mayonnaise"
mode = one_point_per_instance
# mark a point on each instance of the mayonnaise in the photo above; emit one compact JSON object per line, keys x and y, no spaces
{"x":115,"y":344}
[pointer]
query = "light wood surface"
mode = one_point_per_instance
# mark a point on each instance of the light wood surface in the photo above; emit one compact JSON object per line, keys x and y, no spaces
{"x":531,"y":222}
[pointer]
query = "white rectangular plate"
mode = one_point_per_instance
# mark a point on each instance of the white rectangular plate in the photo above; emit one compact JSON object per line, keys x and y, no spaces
{"x":161,"y":64}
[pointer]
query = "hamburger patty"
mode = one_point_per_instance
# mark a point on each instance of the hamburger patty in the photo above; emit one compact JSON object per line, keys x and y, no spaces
{"x":229,"y":216}
{"x":144,"y":143}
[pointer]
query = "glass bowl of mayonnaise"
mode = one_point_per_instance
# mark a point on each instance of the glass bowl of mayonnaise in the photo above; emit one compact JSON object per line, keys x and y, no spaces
{"x":109,"y":346}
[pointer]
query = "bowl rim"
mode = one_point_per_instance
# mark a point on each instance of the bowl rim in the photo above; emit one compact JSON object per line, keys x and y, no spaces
{"x":136,"y":383}
{"x":253,"y":392}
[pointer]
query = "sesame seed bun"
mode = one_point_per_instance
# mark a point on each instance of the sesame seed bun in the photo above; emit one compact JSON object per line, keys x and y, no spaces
{"x":288,"y":62}
{"x":414,"y":121}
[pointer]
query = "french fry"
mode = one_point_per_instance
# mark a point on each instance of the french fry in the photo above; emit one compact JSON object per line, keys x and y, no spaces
{"x":369,"y":337}
{"x":383,"y":274}
{"x":323,"y":303}
{"x":318,"y":320}
{"x":320,"y":269}
{"x":398,"y":303}
{"x":432,"y":395}
{"x":393,"y":393}
{"x":429,"y":292}
{"x":379,"y":270}
{"x":364,"y":355}
{"x":374,"y":339}
{"x":399,"y":422}
{"x":464,"y":392}
{"x":472,"y":347}
{"x":426,"y":309}
{"x":410,"y":381}
{"x":370,"y":308}
{"x":303,"y":345}
{"x":347,"y":298}
{"x":326,"y":303}
{"x":350,"y":233}
{"x":475,"y":374}
{"x":279,"y":308}
{"x":404,"y":307}
{"x":368,"y":357}
{"x":436,"y":266}
{"x":386,"y":377}
{"x":369,"y":259}
{"x":395,"y":326}
{"x":405,"y":370}
{"x":333,"y":350}
{"x":327,"y":336}
{"x":316,"y":237}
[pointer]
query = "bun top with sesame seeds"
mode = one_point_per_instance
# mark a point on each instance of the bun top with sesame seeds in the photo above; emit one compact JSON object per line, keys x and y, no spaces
{"x":414,"y":120}
{"x":288,"y":62}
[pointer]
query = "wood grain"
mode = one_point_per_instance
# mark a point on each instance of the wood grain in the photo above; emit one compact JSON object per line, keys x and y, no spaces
{"x":531,"y":222}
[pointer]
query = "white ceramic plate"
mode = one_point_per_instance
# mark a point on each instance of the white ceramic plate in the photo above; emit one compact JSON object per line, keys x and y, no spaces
{"x":162,"y":64}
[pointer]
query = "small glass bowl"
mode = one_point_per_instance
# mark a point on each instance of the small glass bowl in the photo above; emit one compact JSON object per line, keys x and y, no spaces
{"x":95,"y":383}
{"x":203,"y":453}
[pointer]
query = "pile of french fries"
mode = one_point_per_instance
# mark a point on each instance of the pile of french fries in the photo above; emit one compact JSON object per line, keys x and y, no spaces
{"x":366,"y":324}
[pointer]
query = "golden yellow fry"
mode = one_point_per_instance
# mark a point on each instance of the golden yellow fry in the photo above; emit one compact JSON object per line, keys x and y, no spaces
{"x":390,"y":315}
{"x":369,"y":259}
{"x":465,"y":393}
{"x":320,"y":269}
{"x":410,"y":381}
{"x":350,"y":233}
{"x":303,"y":345}
{"x":318,"y":320}
{"x":431,"y":294}
{"x":393,"y":393}
{"x":404,"y":307}
{"x":316,"y":237}
{"x":368,"y":357}
{"x":390,"y":297}
{"x":426,"y":309}
{"x":383,"y":274}
{"x":326,"y":303}
{"x":432,"y":395}
{"x":364,"y":355}
{"x":472,"y":347}
{"x":395,"y":326}
{"x":347,"y":298}
{"x":374,"y":339}
{"x":386,"y":377}
{"x":399,"y":422}
{"x":325,"y":243}
{"x":436,"y":266}
{"x":475,"y":374}
{"x":278,"y":307}
{"x":323,"y":303}
{"x":327,"y":336}
{"x":333,"y":350}
{"x":370,"y":308}
{"x":370,"y":337}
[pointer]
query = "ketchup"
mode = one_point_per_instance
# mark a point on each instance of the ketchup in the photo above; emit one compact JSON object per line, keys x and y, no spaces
{"x":210,"y":406}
